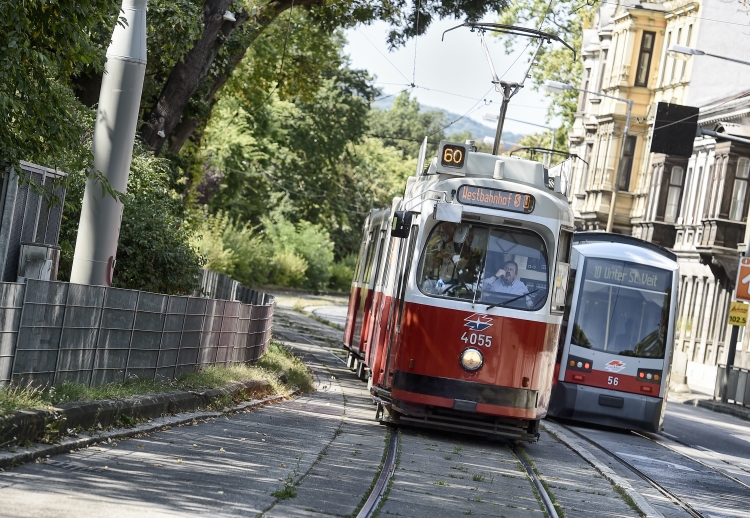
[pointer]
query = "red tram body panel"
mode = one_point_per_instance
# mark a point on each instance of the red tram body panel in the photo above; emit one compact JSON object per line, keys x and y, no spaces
{"x":458,"y":294}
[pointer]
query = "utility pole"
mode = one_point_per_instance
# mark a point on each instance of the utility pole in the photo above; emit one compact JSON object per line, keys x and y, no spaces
{"x":114,"y":135}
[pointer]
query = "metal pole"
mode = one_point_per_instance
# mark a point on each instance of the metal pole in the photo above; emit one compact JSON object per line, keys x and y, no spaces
{"x":731,"y":353}
{"x":507,"y":87}
{"x":114,"y":135}
{"x":616,"y":186}
{"x":725,"y":58}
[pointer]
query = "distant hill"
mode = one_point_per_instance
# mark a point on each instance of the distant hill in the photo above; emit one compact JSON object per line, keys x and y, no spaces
{"x":477,"y":129}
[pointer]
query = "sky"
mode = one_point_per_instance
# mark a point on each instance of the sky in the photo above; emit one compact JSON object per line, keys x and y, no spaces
{"x":452,"y":74}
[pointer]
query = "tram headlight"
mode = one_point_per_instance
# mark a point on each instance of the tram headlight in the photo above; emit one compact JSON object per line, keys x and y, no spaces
{"x":471,"y":359}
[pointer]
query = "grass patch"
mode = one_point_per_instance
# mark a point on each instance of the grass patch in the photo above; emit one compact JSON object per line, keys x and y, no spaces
{"x":276,"y":365}
{"x":628,"y":500}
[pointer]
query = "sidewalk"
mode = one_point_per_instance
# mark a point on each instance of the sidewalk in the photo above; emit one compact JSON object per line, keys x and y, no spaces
{"x":707,"y":401}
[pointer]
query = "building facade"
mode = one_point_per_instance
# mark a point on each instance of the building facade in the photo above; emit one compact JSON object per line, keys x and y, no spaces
{"x":696,"y":206}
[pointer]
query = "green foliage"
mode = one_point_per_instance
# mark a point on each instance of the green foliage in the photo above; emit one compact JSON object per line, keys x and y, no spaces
{"x":154,"y":253}
{"x":404,"y":127}
{"x":278,"y":251}
{"x":566,"y":19}
{"x":289,"y":243}
{"x":342,"y":272}
{"x":43,"y":43}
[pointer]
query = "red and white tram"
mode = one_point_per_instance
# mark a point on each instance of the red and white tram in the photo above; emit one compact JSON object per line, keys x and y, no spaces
{"x":458,"y":295}
{"x":616,"y":345}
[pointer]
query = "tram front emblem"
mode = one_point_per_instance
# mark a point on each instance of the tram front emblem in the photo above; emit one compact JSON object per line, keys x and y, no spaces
{"x":614,"y":366}
{"x":478,"y":322}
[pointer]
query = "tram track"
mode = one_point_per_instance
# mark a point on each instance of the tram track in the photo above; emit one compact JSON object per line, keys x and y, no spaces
{"x":670,"y":495}
{"x":693,"y":459}
{"x":380,"y":488}
{"x":386,"y":473}
{"x":546,"y":498}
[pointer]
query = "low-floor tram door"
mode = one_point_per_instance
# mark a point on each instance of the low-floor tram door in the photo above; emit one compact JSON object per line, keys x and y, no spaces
{"x":403,"y":267}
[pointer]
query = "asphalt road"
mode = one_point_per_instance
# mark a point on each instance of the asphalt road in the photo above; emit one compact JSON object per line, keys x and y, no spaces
{"x":718,"y":439}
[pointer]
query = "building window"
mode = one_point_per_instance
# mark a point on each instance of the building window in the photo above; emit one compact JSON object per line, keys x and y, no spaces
{"x":663,"y":68}
{"x":674,"y":63}
{"x":602,"y":66}
{"x":737,"y":209}
{"x":584,"y":94}
{"x":644,"y":58}
{"x":710,"y":193}
{"x":626,"y":167}
{"x":673,"y":194}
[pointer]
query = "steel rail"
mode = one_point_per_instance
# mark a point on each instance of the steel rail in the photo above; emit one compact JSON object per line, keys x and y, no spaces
{"x":546,"y":499}
{"x":389,"y":466}
{"x":661,"y":489}
{"x":717,"y":470}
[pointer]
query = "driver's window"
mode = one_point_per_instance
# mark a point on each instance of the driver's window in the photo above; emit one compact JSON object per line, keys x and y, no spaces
{"x":515,"y":274}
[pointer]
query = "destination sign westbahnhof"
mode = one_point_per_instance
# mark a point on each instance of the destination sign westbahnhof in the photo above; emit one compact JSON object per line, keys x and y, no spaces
{"x":496,"y":199}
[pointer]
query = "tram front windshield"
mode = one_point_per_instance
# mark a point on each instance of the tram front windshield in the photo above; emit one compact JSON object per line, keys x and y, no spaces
{"x":490,"y":265}
{"x":623,"y":308}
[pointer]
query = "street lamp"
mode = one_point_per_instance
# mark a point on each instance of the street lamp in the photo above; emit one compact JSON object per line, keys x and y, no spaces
{"x":557,"y":87}
{"x":683,"y":52}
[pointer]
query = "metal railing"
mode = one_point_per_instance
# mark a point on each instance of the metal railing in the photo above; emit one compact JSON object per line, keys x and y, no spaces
{"x":737,"y":385}
{"x":51,"y":332}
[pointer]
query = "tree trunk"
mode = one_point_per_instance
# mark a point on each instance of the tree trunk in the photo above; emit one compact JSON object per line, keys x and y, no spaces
{"x":193,"y":68}
{"x":186,"y":76}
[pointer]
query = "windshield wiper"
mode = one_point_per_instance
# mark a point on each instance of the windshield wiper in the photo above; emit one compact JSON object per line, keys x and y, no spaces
{"x":505,"y":302}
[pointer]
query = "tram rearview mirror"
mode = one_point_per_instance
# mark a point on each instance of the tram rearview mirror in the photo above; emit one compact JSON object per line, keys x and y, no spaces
{"x":401,"y":224}
{"x":448,"y":212}
{"x":459,"y":235}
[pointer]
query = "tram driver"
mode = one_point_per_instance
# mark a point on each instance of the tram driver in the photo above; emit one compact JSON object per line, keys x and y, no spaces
{"x":504,"y":281}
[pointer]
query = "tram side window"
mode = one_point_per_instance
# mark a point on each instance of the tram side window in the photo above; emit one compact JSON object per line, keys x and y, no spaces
{"x":370,"y":256}
{"x":623,"y":308}
{"x":493,"y":265}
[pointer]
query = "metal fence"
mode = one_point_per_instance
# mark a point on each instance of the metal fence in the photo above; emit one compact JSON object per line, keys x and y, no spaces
{"x":220,"y":286}
{"x":51,"y":332}
{"x":737,"y":385}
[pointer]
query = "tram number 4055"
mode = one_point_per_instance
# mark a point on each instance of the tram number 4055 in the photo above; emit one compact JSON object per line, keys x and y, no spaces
{"x":477,"y":339}
{"x":613,"y":380}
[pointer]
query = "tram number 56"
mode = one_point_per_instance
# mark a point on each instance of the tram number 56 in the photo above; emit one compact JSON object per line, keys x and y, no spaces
{"x":477,"y":339}
{"x":613,"y":380}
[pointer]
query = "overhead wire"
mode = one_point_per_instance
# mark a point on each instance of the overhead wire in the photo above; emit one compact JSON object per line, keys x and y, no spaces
{"x":384,"y":56}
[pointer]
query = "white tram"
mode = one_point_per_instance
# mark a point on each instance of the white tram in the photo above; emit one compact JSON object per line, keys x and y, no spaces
{"x":458,"y":294}
{"x":618,"y":333}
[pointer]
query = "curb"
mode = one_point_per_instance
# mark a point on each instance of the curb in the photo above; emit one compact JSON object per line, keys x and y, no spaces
{"x":720,"y":408}
{"x":31,"y":425}
{"x":28,"y":454}
{"x":643,"y":506}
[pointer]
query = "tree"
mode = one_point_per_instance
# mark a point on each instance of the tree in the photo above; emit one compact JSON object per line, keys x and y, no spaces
{"x":565,"y":19}
{"x":203,"y":69}
{"x":44,"y":42}
{"x":154,"y":252}
{"x":404,"y":127}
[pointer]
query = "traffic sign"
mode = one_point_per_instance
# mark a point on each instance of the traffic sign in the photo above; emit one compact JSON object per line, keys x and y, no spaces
{"x":737,"y":314}
{"x":742,"y":288}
